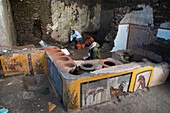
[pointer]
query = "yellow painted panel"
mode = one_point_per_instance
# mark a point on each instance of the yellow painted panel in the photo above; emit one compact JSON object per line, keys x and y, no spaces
{"x":138,"y":72}
{"x":39,"y":63}
{"x":76,"y":85}
{"x":14,"y":64}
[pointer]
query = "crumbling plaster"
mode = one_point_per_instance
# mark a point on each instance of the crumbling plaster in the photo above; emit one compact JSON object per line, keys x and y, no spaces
{"x":165,"y":25}
{"x":142,"y":17}
{"x":121,"y":38}
{"x":7,"y":30}
{"x":83,"y":19}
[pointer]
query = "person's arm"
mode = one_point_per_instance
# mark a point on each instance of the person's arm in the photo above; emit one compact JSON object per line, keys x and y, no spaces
{"x":71,"y":37}
{"x":78,"y":35}
{"x":88,"y":57}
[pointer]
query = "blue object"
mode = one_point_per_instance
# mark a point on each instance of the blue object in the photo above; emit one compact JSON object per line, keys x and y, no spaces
{"x":85,"y":59}
{"x":4,"y":110}
{"x":43,"y":44}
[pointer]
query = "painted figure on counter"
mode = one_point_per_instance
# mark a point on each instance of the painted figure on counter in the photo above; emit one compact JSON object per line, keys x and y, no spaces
{"x":141,"y":81}
{"x":93,"y":96}
{"x":121,"y":86}
{"x":113,"y":91}
{"x":89,"y":96}
{"x":98,"y":94}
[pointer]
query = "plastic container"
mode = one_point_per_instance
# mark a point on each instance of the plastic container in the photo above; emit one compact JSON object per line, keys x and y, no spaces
{"x":78,"y":46}
{"x":82,"y":46}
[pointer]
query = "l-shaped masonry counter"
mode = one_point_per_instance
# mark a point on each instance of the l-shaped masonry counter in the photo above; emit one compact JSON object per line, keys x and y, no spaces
{"x":87,"y":88}
{"x":98,"y":86}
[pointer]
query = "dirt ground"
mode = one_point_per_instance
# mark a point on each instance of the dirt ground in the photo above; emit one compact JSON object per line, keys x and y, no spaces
{"x":31,"y":94}
{"x":78,"y":54}
{"x":26,"y":94}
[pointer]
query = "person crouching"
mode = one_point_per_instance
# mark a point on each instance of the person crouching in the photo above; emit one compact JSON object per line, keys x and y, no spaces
{"x":75,"y":37}
{"x":93,"y":52}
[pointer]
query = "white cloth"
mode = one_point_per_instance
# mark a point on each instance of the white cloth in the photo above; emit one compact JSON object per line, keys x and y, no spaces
{"x":91,"y":46}
{"x":76,"y":34}
{"x":43,"y":44}
{"x":65,"y":51}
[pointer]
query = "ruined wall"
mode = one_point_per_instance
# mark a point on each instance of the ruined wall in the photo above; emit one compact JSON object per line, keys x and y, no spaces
{"x":84,"y":17}
{"x":165,"y":25}
{"x":31,"y":18}
{"x":124,"y":7}
{"x":39,"y":20}
{"x":142,"y":17}
{"x":34,"y":19}
{"x":7,"y":29}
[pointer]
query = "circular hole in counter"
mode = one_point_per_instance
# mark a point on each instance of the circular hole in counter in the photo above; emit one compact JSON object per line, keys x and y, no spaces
{"x":70,"y":65}
{"x":56,"y":50}
{"x":60,"y":54}
{"x":77,"y":71}
{"x":64,"y":59}
{"x":109,"y":63}
{"x":88,"y":65}
{"x":39,"y":48}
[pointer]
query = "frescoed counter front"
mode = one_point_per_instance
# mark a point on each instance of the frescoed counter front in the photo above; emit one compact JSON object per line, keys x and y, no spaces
{"x":101,"y":88}
{"x":98,"y":86}
{"x":85,"y":89}
{"x":21,"y":62}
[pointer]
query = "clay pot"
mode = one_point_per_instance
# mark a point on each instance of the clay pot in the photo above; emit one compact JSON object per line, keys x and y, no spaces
{"x":87,"y":66}
{"x":108,"y":63}
{"x":71,"y":67}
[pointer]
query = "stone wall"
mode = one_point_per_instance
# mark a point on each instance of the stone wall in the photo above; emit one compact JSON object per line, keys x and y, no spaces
{"x":66,"y":15}
{"x":35,"y":20}
{"x":31,"y":18}
{"x":7,"y":29}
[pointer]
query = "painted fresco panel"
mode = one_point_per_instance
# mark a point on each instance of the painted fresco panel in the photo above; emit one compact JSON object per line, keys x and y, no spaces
{"x":48,"y":65}
{"x":94,"y":92}
{"x":24,"y":63}
{"x":55,"y":77}
{"x":164,"y":33}
{"x":142,"y":80}
{"x":15,"y":64}
{"x":102,"y":90}
{"x":58,"y":83}
{"x":118,"y":84}
{"x":138,"y":36}
{"x":39,"y":63}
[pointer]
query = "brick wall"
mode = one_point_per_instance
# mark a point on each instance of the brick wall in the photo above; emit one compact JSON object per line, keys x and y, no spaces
{"x":31,"y":18}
